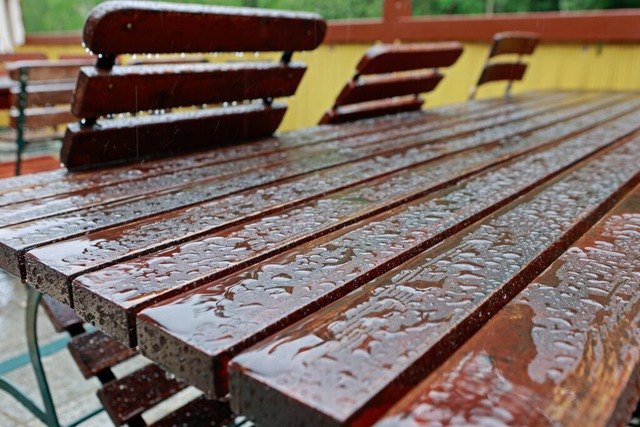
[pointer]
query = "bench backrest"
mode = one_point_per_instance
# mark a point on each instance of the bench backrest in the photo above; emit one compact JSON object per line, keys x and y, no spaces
{"x":507,"y":43}
{"x":150,"y":94}
{"x":395,"y":75}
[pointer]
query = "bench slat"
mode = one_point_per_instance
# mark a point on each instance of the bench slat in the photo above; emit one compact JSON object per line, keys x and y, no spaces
{"x":113,"y":308}
{"x":502,"y":71}
{"x":154,"y":27}
{"x":130,"y":396}
{"x":388,"y":58}
{"x":573,"y":331}
{"x":387,"y":86}
{"x":56,"y":281}
{"x":374,"y":344}
{"x":332,"y":265}
{"x":63,"y":318}
{"x":154,"y":87}
{"x":95,"y":352}
{"x":144,"y":137}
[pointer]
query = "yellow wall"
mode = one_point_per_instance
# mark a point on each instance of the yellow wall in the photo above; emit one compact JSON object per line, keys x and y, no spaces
{"x":563,"y":66}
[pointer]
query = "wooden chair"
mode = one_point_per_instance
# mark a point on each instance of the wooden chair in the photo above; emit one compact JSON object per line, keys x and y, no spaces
{"x":40,"y":101}
{"x":143,"y":93}
{"x":238,"y":97}
{"x":394,"y":76}
{"x":514,"y":43}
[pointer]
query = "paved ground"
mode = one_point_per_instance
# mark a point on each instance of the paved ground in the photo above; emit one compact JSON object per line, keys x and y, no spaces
{"x":73,"y":394}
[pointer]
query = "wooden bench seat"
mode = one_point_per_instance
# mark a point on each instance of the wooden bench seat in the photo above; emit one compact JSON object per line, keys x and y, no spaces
{"x":572,"y":332}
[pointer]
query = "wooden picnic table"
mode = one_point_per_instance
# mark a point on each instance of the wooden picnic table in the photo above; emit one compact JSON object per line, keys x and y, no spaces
{"x":481,"y":260}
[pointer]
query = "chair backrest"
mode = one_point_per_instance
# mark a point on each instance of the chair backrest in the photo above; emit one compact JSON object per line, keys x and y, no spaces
{"x":43,"y":84}
{"x":506,"y":43}
{"x":389,"y":79}
{"x":151,"y":93}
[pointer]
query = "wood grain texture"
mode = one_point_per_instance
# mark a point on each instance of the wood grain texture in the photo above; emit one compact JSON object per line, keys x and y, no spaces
{"x":388,"y":58}
{"x":151,"y":136}
{"x":500,"y":71}
{"x":371,"y":109}
{"x":571,"y":333}
{"x":116,"y":27}
{"x":346,"y":364}
{"x":156,"y":87}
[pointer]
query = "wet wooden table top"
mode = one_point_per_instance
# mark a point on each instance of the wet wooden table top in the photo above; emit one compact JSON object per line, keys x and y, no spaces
{"x":475,"y":263}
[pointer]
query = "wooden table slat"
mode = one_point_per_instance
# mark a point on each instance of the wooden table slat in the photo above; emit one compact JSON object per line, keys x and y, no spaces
{"x":332,"y":266}
{"x":350,"y":361}
{"x":573,"y":331}
{"x":17,"y":239}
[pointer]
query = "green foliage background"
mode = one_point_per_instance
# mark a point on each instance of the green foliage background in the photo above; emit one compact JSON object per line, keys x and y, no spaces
{"x":69,"y":15}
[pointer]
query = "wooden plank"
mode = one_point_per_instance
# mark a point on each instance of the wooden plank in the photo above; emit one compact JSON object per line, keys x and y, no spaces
{"x":199,"y":412}
{"x":279,"y":211}
{"x":564,"y":351}
{"x":387,"y":86}
{"x":155,"y":87}
{"x":206,"y":341}
{"x":163,"y":135}
{"x":45,"y":70}
{"x":350,"y":361}
{"x":94,"y":352}
{"x":502,"y":71}
{"x":41,"y":117}
{"x":388,"y":58}
{"x":130,"y":396}
{"x":62,"y":317}
{"x":154,"y":27}
{"x":16,"y":240}
{"x":371,"y":109}
{"x":36,"y":187}
{"x":46,"y":94}
{"x":13,"y":212}
{"x":513,"y":42}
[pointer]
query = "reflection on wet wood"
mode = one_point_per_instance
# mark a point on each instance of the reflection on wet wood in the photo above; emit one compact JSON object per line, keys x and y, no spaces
{"x":572,"y":332}
{"x":373,"y":345}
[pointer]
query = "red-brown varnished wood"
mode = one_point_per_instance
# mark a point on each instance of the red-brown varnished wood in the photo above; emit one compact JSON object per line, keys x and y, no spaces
{"x":45,"y":116}
{"x":349,"y":362}
{"x":371,"y":109}
{"x":387,"y":86}
{"x":325,"y":269}
{"x":155,"y":87}
{"x":199,"y":412}
{"x":163,"y":134}
{"x":502,"y":71}
{"x":513,"y":42}
{"x":388,"y":58}
{"x":168,"y":59}
{"x":94,"y":352}
{"x":130,"y":396}
{"x":62,"y":317}
{"x":45,"y":94}
{"x":55,"y":276}
{"x":46,"y":70}
{"x":572,"y":332}
{"x":116,"y":27}
{"x":379,"y":95}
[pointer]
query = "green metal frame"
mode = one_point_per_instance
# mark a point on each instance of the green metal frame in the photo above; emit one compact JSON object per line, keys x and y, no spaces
{"x":47,"y":414}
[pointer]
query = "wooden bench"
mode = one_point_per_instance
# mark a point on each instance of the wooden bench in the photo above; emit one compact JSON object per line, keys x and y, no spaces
{"x":40,"y":100}
{"x":6,"y":83}
{"x":390,"y":78}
